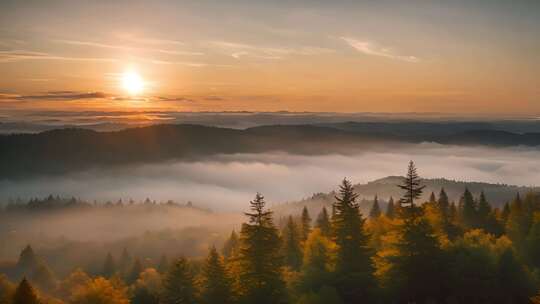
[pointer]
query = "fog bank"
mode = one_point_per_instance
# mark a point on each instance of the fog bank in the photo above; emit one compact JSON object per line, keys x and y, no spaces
{"x":228,"y":182}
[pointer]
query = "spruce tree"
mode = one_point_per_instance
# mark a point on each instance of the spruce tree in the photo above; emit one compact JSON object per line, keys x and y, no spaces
{"x":323,"y":222}
{"x":484,"y":211}
{"x":27,"y":262}
{"x":354,"y":267}
{"x":390,"y":209}
{"x":417,"y":265}
{"x":443,"y":203}
{"x":178,"y":284}
{"x":432,"y":199}
{"x":468,"y":210}
{"x":260,"y":262}
{"x":125,"y":261}
{"x":305,"y":227}
{"x":25,"y":294}
{"x":291,"y":245}
{"x":216,"y":285}
{"x":231,"y":245}
{"x":413,"y":191}
{"x":375,"y":211}
{"x":109,"y":267}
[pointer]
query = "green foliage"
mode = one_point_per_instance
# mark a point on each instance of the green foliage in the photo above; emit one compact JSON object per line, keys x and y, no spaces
{"x":292,"y":250}
{"x":354,"y":268}
{"x":375,"y":211}
{"x":216,"y":285}
{"x":323,"y":222}
{"x":390,"y":209}
{"x":468,"y":210}
{"x":326,"y":295}
{"x":305,"y":224}
{"x":412,"y":187}
{"x":318,"y":262}
{"x":230,"y":248}
{"x":260,"y":262}
{"x":178,"y":284}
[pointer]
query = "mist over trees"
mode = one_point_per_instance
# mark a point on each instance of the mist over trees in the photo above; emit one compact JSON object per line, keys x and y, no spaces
{"x":409,"y":250}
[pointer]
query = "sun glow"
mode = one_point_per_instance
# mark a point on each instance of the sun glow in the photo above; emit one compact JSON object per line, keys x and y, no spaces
{"x":132,"y":82}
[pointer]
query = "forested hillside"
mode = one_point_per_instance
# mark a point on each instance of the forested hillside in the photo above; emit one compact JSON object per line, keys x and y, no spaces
{"x":413,"y":250}
{"x":67,"y":150}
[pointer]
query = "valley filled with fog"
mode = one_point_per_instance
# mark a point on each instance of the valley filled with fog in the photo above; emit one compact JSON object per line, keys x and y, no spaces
{"x":228,"y":182}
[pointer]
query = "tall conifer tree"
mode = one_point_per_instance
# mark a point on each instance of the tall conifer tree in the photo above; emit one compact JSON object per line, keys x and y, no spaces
{"x":323,"y":222}
{"x":260,"y":262}
{"x":354,"y":267}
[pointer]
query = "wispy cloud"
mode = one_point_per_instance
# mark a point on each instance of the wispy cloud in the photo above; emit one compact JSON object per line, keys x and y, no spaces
{"x":18,"y":55}
{"x":238,"y":50}
{"x":370,"y":48}
{"x":54,"y":95}
{"x":129,"y":48}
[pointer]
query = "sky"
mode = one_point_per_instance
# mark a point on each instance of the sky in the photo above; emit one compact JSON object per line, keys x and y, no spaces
{"x":461,"y":56}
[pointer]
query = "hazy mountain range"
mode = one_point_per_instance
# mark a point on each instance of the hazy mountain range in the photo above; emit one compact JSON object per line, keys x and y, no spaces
{"x":66,"y":150}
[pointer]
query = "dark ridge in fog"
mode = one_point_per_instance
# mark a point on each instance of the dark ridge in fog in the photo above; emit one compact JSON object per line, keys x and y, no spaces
{"x":67,"y":150}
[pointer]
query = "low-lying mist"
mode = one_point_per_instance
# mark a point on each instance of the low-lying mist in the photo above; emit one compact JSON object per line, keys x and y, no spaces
{"x":228,"y":182}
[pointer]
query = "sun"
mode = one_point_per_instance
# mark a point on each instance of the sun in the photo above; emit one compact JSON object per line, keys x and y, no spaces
{"x":132,"y":82}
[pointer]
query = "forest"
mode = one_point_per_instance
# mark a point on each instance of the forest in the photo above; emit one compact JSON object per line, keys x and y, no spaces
{"x":411,"y":251}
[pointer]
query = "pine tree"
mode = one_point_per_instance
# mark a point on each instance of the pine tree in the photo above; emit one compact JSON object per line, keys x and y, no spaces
{"x":291,"y":245}
{"x":178,"y":284}
{"x":390,"y":209}
{"x":432,"y":198}
{"x":109,"y":267}
{"x":375,"y":211}
{"x":468,"y":210}
{"x":443,"y":203}
{"x":413,"y":191}
{"x":260,"y":263}
{"x":216,"y":285}
{"x":354,"y":267}
{"x":231,"y":245}
{"x":28,"y":261}
{"x":517,"y":225}
{"x":25,"y":294}
{"x":505,"y":212}
{"x":323,"y":222}
{"x":305,"y":227}
{"x":125,"y":261}
{"x":417,"y":263}
{"x":484,"y":211}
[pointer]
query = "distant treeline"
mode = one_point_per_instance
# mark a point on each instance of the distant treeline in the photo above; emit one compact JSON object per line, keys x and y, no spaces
{"x":51,"y":203}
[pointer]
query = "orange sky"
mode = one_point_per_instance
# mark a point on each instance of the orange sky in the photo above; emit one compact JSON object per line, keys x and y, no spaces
{"x":344,"y":56}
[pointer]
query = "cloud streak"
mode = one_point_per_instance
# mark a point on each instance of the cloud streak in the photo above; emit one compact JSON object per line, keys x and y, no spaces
{"x":372,"y":49}
{"x":239,"y":50}
{"x":18,"y":55}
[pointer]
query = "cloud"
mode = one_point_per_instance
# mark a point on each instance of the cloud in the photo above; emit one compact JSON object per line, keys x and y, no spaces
{"x":18,"y":55}
{"x":128,"y":48}
{"x":54,"y":95}
{"x":228,"y":182}
{"x":238,"y":50}
{"x":372,"y":49}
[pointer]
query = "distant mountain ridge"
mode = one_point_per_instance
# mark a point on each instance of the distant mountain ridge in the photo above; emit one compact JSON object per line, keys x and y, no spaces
{"x":66,"y":150}
{"x":384,"y":188}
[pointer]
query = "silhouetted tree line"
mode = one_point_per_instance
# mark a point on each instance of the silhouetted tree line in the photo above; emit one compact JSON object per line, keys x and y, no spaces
{"x":413,"y":252}
{"x":51,"y":203}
